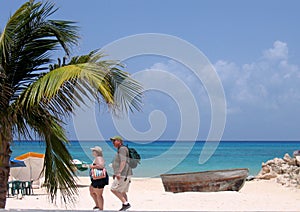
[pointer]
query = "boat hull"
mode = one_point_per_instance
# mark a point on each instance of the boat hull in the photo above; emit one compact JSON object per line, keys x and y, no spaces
{"x":209,"y":181}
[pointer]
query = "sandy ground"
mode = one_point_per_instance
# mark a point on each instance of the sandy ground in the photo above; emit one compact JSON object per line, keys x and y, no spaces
{"x":149,"y":195}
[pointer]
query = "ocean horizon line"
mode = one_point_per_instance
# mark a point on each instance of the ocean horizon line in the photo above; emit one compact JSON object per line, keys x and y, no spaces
{"x":229,"y":154}
{"x":201,"y":141}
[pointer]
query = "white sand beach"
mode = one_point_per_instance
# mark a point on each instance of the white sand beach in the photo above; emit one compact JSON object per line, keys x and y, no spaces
{"x":149,"y":195}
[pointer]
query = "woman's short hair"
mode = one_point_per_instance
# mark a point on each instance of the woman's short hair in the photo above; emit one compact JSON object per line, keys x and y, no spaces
{"x":97,"y":150}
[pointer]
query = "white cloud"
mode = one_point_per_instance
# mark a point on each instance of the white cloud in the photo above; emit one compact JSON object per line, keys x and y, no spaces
{"x":265,"y":93}
{"x":184,"y":75}
{"x":278,"y":52}
{"x":228,"y":71}
{"x":268,"y":82}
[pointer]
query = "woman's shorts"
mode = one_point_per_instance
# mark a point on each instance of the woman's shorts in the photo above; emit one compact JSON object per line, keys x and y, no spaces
{"x":101,"y":183}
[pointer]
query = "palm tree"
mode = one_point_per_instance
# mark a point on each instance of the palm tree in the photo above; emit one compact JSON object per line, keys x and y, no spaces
{"x":36,"y":99}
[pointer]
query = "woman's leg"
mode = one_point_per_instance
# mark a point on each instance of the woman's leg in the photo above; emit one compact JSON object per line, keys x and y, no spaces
{"x":99,"y":197}
{"x":94,"y":196}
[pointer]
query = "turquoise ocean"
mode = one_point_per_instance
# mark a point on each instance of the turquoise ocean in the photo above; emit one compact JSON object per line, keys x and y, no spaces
{"x":160,"y":157}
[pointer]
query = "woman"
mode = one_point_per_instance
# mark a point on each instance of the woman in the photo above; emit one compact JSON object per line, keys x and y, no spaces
{"x":97,"y":186}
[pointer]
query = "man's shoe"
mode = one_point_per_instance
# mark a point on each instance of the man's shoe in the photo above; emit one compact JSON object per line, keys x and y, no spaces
{"x":96,"y":209}
{"x":125,"y":207}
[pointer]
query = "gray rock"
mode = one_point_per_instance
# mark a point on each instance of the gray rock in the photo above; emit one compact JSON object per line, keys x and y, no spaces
{"x":292,"y":162}
{"x":294,"y":168}
{"x":281,"y":180}
{"x":298,"y":160}
{"x":278,"y":161}
{"x":286,"y":171}
{"x":276,"y":169}
{"x":293,"y":182}
{"x":267,"y":176}
{"x":298,"y":179}
{"x":285,"y":168}
{"x":270,"y":162}
{"x":265,"y":169}
{"x":287,"y":157}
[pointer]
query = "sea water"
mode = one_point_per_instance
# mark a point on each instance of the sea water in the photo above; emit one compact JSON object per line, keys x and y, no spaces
{"x":162,"y":157}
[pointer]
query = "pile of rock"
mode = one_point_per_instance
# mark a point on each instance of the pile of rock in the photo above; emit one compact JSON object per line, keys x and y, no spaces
{"x":285,"y":170}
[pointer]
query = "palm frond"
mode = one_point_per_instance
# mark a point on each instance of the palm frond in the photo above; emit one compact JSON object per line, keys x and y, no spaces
{"x":82,"y":59}
{"x":100,"y":80}
{"x":36,"y":99}
{"x":5,"y":90}
{"x":61,"y":89}
{"x":128,"y":93}
{"x":55,"y":94}
{"x":29,"y":38}
{"x":58,"y":168}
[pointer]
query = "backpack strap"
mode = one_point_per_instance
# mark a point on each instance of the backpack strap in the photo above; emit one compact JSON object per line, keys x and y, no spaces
{"x":128,"y":158}
{"x":127,"y":161}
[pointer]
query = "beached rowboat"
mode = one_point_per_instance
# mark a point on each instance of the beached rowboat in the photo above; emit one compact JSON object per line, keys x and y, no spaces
{"x":208,"y":181}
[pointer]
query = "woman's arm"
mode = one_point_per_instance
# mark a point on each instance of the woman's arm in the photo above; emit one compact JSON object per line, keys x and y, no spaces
{"x":99,"y":163}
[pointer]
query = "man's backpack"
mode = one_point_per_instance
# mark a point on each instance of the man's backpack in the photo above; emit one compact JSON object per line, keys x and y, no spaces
{"x":134,"y":157}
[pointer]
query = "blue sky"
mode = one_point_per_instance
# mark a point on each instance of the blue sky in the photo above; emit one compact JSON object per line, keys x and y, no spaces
{"x":253,"y":45}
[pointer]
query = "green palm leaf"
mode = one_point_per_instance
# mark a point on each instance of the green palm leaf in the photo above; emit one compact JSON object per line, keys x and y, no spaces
{"x":34,"y":99}
{"x":100,"y":79}
{"x":57,"y":93}
{"x":59,"y":172}
{"x":28,"y":39}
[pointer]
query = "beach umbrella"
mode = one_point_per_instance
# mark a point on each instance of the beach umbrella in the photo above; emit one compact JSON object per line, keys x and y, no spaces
{"x":34,"y":165}
{"x":16,"y":163}
{"x":80,"y":165}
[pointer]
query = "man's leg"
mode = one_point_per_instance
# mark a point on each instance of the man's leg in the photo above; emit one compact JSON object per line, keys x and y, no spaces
{"x":120,"y":196}
{"x":116,"y":187}
{"x":119,"y":188}
{"x":125,"y":196}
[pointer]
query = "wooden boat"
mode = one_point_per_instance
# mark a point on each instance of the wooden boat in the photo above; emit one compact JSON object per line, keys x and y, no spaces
{"x":208,"y":181}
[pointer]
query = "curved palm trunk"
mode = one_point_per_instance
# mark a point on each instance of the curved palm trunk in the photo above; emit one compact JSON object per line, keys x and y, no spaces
{"x":5,"y":140}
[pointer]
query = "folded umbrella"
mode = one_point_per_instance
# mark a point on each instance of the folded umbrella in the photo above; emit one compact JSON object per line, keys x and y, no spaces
{"x":34,"y":166}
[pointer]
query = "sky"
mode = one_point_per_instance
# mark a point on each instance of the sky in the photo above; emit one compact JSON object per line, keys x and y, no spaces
{"x":253,"y":46}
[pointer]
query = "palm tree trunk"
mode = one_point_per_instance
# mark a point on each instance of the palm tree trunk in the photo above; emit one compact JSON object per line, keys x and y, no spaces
{"x":5,"y":141}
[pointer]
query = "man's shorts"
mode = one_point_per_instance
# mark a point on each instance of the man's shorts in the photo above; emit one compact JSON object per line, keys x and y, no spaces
{"x":121,"y":185}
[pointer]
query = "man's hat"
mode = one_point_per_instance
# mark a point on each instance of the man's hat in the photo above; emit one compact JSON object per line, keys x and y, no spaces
{"x":116,"y":138}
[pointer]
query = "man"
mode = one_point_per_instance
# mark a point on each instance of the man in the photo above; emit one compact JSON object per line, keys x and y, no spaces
{"x":122,"y":172}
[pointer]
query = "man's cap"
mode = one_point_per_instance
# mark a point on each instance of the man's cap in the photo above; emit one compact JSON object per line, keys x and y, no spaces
{"x":97,"y":149}
{"x":116,"y":138}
